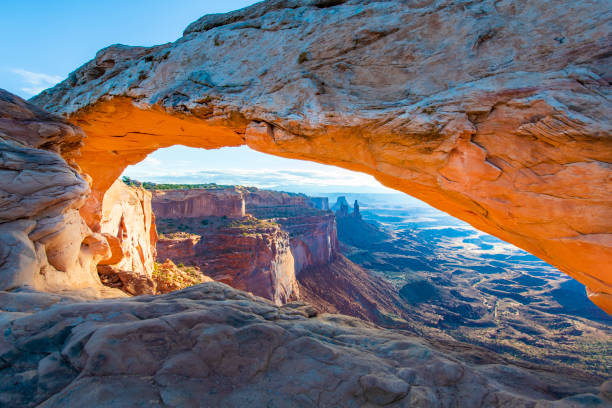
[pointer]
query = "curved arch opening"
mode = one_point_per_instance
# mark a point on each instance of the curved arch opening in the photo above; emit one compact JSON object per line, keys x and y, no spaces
{"x":454,"y":172}
{"x":399,"y":263}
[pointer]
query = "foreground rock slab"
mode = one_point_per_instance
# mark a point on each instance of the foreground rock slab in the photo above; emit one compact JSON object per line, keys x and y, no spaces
{"x":213,"y":346}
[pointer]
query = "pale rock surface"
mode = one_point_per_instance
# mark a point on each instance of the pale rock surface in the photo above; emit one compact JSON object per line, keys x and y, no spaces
{"x":44,"y":242}
{"x":128,"y":223}
{"x":497,"y":112}
{"x":213,"y":346}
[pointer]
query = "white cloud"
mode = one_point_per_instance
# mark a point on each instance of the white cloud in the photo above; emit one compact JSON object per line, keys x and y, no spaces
{"x":152,"y":161}
{"x":308,"y":180}
{"x":36,"y":82}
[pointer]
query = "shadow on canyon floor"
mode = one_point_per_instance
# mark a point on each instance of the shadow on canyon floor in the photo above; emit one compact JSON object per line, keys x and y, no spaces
{"x":473,"y":287}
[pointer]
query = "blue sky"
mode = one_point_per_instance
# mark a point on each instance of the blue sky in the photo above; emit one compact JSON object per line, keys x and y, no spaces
{"x":42,"y":41}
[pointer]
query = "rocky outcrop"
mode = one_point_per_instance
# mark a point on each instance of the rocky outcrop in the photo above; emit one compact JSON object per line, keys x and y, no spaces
{"x":168,"y":277}
{"x":290,"y":225}
{"x":313,"y":232}
{"x":211,"y":345}
{"x":246,"y":253}
{"x":495,"y":112}
{"x":219,"y":202}
{"x":128,"y":224}
{"x":314,"y":240}
{"x":44,"y":242}
{"x":313,"y":268}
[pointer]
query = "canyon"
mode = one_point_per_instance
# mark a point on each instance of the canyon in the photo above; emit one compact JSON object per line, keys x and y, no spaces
{"x":496,"y":112}
{"x":283,"y":248}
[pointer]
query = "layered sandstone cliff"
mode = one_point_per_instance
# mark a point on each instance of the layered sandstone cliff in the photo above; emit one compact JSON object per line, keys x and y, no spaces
{"x":246,"y":253}
{"x":286,"y":239}
{"x":128,"y":223}
{"x":313,"y":234}
{"x":497,"y":112}
{"x":295,"y":234}
{"x":220,"y":202}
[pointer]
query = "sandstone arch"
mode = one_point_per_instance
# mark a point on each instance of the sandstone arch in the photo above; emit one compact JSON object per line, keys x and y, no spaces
{"x":493,"y":111}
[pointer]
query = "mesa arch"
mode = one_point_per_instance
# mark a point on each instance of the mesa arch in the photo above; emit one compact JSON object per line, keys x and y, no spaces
{"x":494,"y":112}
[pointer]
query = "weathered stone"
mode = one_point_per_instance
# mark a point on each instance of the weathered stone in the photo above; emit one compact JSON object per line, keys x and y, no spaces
{"x":198,"y":203}
{"x":211,"y":345}
{"x":44,"y":242}
{"x":495,"y":112}
{"x":129,"y":225}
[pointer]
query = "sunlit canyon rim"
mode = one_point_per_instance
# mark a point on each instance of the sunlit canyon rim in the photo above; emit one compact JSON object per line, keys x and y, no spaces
{"x":496,"y":112}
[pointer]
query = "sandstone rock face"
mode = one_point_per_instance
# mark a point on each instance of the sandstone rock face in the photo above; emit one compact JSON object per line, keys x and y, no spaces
{"x":313,"y":235}
{"x":313,"y":232}
{"x":497,"y":112}
{"x":255,"y":198}
{"x":44,"y":242}
{"x":246,"y":253}
{"x":211,"y":345}
{"x":227,"y":253}
{"x":180,"y":247}
{"x":129,"y":226}
{"x":198,"y":203}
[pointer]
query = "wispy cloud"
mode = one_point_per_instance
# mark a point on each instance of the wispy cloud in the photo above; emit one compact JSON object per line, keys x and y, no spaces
{"x":262,"y":178}
{"x":36,"y":82}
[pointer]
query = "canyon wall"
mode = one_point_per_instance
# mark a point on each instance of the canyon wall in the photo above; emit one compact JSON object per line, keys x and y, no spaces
{"x":313,"y":233}
{"x":246,"y":254}
{"x":198,"y":203}
{"x":284,"y":249}
{"x":497,"y":112}
{"x":128,"y":223}
{"x":208,"y":228}
{"x":263,"y":252}
{"x":256,"y":198}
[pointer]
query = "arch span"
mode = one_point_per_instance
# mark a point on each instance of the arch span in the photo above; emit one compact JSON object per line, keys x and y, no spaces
{"x":483,"y":110}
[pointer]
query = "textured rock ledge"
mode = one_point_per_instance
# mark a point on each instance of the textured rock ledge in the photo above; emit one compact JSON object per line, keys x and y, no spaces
{"x":211,"y":345}
{"x":44,"y":242}
{"x":497,"y":112}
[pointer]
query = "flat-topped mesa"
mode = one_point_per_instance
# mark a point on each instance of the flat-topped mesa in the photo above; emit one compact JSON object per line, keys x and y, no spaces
{"x":256,"y":198}
{"x":496,"y":112}
{"x":218,"y":202}
{"x":262,"y":252}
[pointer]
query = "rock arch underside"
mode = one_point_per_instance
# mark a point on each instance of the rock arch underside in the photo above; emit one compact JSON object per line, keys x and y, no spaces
{"x":497,"y":112}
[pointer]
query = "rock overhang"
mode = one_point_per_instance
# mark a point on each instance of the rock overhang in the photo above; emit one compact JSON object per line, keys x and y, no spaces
{"x":488,"y":111}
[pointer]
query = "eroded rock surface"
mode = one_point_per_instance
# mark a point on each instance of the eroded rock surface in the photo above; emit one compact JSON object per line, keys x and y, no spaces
{"x":211,"y":345}
{"x":227,"y":202}
{"x":128,"y":223}
{"x":497,"y":112}
{"x":246,"y":253}
{"x":44,"y":242}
